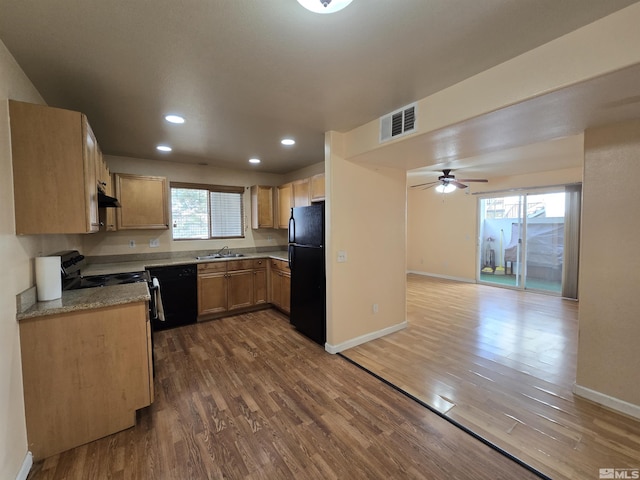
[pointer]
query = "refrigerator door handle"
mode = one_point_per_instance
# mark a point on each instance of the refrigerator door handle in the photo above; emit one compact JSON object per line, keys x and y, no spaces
{"x":291,"y":256}
{"x":292,"y":228}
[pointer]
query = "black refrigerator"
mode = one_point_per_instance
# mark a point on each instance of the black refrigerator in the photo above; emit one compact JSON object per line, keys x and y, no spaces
{"x":306,"y":261}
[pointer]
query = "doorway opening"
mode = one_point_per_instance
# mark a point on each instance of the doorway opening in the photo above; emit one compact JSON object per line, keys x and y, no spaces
{"x":524,"y":242}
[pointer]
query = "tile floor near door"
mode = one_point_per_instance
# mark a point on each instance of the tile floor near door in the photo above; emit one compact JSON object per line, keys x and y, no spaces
{"x":502,"y":363}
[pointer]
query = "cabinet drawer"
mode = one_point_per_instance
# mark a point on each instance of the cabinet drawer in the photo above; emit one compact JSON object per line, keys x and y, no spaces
{"x":279,"y":265}
{"x":212,"y":267}
{"x":260,"y":263}
{"x":239,"y":265}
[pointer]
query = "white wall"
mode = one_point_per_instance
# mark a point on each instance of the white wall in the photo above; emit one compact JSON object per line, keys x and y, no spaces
{"x":16,"y":257}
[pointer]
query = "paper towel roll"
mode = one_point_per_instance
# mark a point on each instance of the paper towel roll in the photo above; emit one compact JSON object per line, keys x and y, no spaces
{"x":48,"y":278}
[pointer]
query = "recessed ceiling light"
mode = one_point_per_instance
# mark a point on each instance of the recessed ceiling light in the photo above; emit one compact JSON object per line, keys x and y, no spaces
{"x":288,"y":141}
{"x":164,"y":148}
{"x":254,"y":160}
{"x":174,"y":118}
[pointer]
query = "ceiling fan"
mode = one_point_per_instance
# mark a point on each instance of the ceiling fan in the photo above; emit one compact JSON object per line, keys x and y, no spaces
{"x":448,"y":183}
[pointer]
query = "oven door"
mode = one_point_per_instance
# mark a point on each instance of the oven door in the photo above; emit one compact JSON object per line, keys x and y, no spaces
{"x":154,"y":289}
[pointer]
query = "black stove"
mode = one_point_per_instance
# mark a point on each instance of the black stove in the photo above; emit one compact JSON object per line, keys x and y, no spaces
{"x":72,"y":263}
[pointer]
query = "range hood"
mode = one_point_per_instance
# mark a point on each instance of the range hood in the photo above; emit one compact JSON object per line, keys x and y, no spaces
{"x":105,"y":201}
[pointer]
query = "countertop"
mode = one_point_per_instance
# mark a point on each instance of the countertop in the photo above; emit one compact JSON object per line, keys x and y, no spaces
{"x":88,"y":298}
{"x":98,"y":297}
{"x":139,"y":265}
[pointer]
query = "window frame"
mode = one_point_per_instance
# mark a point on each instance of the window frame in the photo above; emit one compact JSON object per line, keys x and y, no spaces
{"x":216,"y":189}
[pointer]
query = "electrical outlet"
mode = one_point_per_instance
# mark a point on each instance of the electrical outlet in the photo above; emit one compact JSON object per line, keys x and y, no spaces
{"x":342,"y":256}
{"x":154,"y":242}
{"x":375,"y":308}
{"x":132,"y":244}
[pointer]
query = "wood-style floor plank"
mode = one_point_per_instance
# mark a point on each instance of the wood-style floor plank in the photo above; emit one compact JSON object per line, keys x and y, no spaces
{"x":503,"y":363}
{"x":247,"y":397}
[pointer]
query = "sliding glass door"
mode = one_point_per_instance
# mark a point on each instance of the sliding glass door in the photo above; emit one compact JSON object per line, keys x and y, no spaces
{"x":522,"y":241}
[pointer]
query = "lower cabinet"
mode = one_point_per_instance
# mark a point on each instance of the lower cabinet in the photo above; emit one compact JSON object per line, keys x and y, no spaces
{"x":281,"y":285}
{"x":85,"y":374}
{"x":225,"y":286}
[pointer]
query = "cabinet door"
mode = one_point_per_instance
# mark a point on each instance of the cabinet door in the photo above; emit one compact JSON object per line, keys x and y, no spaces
{"x":285,"y":294}
{"x":143,"y":201}
{"x":276,"y":288}
{"x":285,"y":202}
{"x":240,"y":289}
{"x":212,"y":293}
{"x":317,"y":188}
{"x":90,"y":180}
{"x":53,"y":170}
{"x":262,"y":207}
{"x":301,"y":193}
{"x":260,"y":286}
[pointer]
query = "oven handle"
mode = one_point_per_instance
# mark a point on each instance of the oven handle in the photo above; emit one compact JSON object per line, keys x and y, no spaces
{"x":153,"y":303}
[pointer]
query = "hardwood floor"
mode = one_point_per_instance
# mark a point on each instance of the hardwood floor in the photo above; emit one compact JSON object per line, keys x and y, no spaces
{"x":502,"y":363}
{"x":247,"y":397}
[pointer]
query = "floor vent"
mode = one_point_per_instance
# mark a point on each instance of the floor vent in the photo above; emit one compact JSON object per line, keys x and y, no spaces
{"x":398,"y":123}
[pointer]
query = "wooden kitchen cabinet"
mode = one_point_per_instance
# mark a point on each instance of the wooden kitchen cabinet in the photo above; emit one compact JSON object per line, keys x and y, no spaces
{"x":301,"y":193}
{"x":230,"y":285}
{"x":285,"y":202}
{"x":85,"y":373}
{"x":260,"y":291}
{"x":212,"y":288}
{"x":262,"y":207}
{"x":281,"y":285}
{"x":317,"y":188}
{"x":144,"y":202}
{"x":54,"y":170}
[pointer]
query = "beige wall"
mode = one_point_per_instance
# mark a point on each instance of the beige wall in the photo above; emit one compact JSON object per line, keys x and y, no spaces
{"x":117,"y":243}
{"x":608,"y":353}
{"x":366,"y":218}
{"x":16,"y":257}
{"x":442,"y":229}
{"x":605,"y":46}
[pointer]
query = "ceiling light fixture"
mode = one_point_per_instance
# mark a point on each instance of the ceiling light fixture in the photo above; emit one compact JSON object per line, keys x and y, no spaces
{"x":164,"y":148}
{"x":174,"y":118}
{"x":445,"y":188}
{"x":288,"y":141}
{"x":324,"y":6}
{"x":254,"y":160}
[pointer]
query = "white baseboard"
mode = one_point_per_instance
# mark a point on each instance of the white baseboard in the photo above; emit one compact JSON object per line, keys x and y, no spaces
{"x":605,"y":400}
{"x":26,"y":467}
{"x":354,"y":342}
{"x":445,"y":277}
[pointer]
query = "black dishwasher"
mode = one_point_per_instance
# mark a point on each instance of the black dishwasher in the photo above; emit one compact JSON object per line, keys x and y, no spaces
{"x":179,"y":295}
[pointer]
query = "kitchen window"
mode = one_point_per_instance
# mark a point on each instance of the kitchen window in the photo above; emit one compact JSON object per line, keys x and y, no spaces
{"x":202,"y":212}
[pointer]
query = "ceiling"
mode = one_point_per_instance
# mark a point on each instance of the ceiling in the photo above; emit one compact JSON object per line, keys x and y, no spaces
{"x":246,"y":73}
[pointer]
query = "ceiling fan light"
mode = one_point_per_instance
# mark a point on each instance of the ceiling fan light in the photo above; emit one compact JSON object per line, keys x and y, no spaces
{"x":324,"y":6}
{"x":445,"y":188}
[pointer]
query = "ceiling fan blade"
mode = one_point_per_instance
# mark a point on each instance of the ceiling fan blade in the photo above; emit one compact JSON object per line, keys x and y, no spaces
{"x":457,"y":184}
{"x":424,"y":184}
{"x":473,"y":180}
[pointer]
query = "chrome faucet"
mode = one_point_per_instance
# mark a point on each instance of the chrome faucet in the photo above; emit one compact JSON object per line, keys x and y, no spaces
{"x":219,"y":252}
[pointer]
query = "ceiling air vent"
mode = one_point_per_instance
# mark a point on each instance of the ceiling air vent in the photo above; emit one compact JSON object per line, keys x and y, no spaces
{"x":398,"y":123}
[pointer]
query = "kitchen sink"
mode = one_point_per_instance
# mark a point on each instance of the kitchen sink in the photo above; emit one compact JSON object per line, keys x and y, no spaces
{"x":218,"y":255}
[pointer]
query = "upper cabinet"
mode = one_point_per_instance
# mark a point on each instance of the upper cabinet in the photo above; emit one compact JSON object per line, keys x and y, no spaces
{"x":301,"y":191}
{"x":143,"y":201}
{"x":262,"y":207}
{"x":285,"y":202}
{"x":54,"y":156}
{"x":317,"y":188}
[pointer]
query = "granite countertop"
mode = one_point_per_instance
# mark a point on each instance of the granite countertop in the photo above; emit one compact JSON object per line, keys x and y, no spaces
{"x":139,"y":265}
{"x":88,"y":298}
{"x":98,"y":297}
